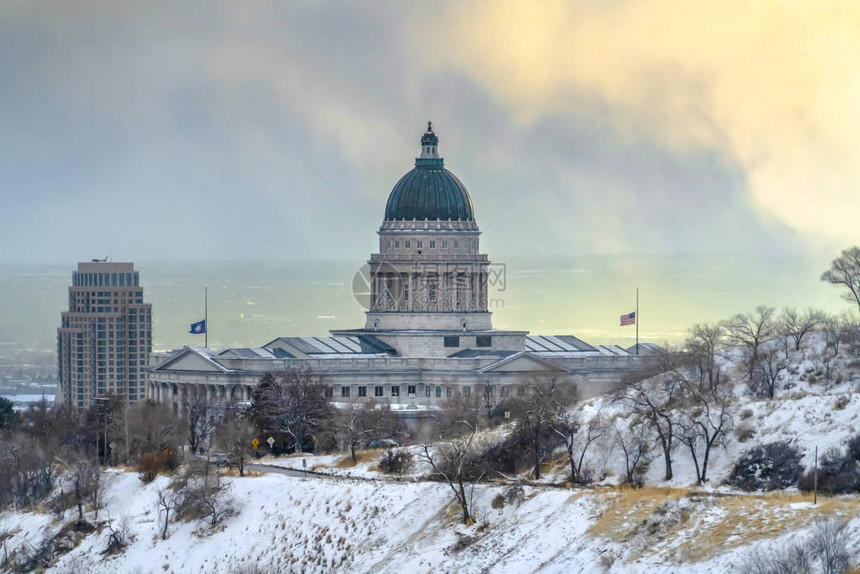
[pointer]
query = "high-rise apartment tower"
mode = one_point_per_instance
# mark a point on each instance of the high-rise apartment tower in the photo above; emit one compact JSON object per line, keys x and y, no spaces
{"x":105,"y":338}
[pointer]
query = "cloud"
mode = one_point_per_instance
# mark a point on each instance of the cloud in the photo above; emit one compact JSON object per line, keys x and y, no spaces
{"x":155,"y":106}
{"x":772,"y":86}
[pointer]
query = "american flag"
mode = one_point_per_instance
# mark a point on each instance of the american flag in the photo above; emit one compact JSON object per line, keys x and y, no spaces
{"x":628,"y":319}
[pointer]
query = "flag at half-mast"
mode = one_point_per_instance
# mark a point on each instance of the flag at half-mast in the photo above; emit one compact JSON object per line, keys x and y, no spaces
{"x":628,"y":319}
{"x":198,"y":328}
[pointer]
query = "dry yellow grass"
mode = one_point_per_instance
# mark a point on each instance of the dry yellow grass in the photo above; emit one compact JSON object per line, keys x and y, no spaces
{"x":743,"y":519}
{"x":368,"y":455}
{"x":628,"y":507}
{"x":714,"y":523}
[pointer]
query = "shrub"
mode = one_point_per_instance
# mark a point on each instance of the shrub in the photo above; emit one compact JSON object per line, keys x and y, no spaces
{"x":147,"y":468}
{"x":151,"y":464}
{"x":515,"y":453}
{"x":841,"y":402}
{"x":746,"y":413}
{"x":744,"y":433}
{"x":838,"y":471}
{"x":498,"y":502}
{"x":202,"y":494}
{"x":826,"y":545}
{"x":396,"y":461}
{"x":771,"y":466}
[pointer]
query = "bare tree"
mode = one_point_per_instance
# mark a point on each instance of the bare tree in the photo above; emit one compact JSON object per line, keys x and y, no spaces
{"x":793,"y":559}
{"x":706,"y":417}
{"x":292,"y":404}
{"x":654,"y":400}
{"x":832,"y":328}
{"x":153,"y":427}
{"x":118,"y":534}
{"x":457,"y":416}
{"x":358,"y":422}
{"x":634,"y":441}
{"x":750,"y":332}
{"x":86,"y":483}
{"x":825,"y":361}
{"x":577,"y":437}
{"x":829,"y":545}
{"x":452,"y":461}
{"x":544,"y":405}
{"x":845,"y":271}
{"x":201,"y":418}
{"x":235,"y":436}
{"x":798,"y":324}
{"x":168,"y":501}
{"x":767,"y":374}
{"x":490,"y":399}
{"x":703,"y":343}
{"x":203,"y":493}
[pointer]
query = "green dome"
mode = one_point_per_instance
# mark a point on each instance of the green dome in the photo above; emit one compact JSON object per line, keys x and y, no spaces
{"x":429,"y":191}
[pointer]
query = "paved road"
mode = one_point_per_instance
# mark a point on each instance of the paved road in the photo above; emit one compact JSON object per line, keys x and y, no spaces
{"x":279,"y":470}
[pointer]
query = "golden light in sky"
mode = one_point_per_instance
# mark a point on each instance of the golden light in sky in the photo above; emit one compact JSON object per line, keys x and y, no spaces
{"x":774,"y":86}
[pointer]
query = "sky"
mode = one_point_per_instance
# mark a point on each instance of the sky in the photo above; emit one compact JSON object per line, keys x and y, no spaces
{"x":182,"y":131}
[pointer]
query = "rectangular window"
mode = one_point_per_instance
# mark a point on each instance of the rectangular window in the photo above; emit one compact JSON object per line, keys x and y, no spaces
{"x":395,"y":390}
{"x":407,"y":245}
{"x":377,"y":391}
{"x":362,"y":391}
{"x":420,"y":244}
{"x":427,"y":391}
{"x":432,"y":245}
{"x":456,"y":245}
{"x":344,"y":392}
{"x":438,"y":391}
{"x":397,"y":245}
{"x":444,"y":245}
{"x":483,"y":341}
{"x":467,"y":391}
{"x":410,"y":390}
{"x":452,"y":341}
{"x":448,"y":392}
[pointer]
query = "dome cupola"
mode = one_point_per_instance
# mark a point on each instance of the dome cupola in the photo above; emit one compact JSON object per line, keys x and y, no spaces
{"x":429,"y":191}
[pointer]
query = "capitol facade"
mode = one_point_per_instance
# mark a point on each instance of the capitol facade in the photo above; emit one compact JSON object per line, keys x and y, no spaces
{"x":428,"y":334}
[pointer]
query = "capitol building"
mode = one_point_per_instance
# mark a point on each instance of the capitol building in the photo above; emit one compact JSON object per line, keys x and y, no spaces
{"x":428,"y":334}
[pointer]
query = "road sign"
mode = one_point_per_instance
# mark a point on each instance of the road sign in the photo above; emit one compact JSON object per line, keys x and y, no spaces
{"x":271,"y":441}
{"x":255,"y":442}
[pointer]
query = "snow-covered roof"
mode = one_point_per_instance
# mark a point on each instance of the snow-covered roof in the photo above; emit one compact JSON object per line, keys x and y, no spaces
{"x":568,"y":346}
{"x":328,"y":347}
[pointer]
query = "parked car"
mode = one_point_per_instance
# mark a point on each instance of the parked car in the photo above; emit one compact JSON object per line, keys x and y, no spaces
{"x":382,"y":443}
{"x":221,"y":459}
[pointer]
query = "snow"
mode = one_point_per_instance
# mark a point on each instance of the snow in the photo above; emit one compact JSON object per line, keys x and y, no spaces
{"x":355,"y":519}
{"x":326,"y":524}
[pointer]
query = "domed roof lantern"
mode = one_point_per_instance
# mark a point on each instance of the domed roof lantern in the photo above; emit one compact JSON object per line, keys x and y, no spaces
{"x":429,"y":191}
{"x":429,"y":143}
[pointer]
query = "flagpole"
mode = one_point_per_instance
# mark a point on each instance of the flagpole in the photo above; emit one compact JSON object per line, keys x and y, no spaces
{"x":206,"y":316}
{"x":637,"y":320}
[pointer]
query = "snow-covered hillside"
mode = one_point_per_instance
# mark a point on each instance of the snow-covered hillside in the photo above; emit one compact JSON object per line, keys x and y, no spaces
{"x":358,"y":520}
{"x":286,"y":524}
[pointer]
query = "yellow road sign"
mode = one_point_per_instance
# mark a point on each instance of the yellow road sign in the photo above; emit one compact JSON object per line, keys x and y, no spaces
{"x":255,"y":442}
